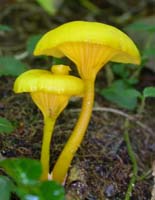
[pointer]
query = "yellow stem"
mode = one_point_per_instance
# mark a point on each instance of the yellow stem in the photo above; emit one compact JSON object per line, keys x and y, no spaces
{"x":63,"y":163}
{"x":45,"y":151}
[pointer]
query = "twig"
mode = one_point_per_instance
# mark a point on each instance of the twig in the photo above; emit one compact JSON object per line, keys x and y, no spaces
{"x":119,"y":112}
{"x":22,"y":55}
{"x":133,"y":160}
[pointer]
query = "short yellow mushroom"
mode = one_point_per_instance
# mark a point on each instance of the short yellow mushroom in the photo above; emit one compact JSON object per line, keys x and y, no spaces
{"x":90,"y":45}
{"x":50,"y":91}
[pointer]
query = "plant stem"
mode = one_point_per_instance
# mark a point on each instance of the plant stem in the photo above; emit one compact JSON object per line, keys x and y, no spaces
{"x":109,"y":74}
{"x":133,"y":160}
{"x":90,"y":6}
{"x":63,"y":163}
{"x":45,"y":151}
{"x":141,"y":106}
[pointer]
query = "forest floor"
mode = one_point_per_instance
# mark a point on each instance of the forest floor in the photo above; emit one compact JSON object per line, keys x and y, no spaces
{"x":101,"y":168}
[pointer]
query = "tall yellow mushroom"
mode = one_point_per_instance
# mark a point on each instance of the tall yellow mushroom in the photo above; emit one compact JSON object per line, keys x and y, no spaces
{"x":90,"y":45}
{"x":50,"y":91}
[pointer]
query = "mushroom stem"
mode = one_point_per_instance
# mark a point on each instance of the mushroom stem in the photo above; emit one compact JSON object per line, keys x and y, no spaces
{"x":63,"y":163}
{"x":45,"y":150}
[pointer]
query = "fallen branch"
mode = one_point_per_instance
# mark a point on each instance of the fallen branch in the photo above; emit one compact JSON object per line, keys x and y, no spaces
{"x":119,"y":112}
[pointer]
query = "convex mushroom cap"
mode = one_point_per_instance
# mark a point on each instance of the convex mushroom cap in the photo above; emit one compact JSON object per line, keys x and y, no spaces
{"x":89,"y":45}
{"x":50,"y":90}
{"x":44,"y":81}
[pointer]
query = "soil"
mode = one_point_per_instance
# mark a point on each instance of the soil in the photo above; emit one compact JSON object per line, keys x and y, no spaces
{"x":102,"y":168}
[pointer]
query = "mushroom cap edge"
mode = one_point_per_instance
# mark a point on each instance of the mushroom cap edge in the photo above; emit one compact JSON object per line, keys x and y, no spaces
{"x":43,"y":80}
{"x":92,"y":32}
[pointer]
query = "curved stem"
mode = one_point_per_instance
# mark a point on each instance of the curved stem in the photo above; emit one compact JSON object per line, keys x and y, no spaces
{"x":45,"y":150}
{"x":63,"y":163}
{"x":141,"y":106}
{"x":133,"y":160}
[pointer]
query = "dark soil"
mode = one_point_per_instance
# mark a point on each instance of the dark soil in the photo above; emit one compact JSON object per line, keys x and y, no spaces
{"x":102,"y":168}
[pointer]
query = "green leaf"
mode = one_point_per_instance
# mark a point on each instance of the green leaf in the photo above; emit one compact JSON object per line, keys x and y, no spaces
{"x":42,"y":191}
{"x":52,"y":191}
{"x":29,"y":197}
{"x":125,"y":72}
{"x":23,"y":170}
{"x":149,"y":52}
{"x":132,"y":81}
{"x":120,"y":70}
{"x":5,"y":126}
{"x":140,"y":26}
{"x":32,"y":41}
{"x":5,"y":28}
{"x":122,"y":95}
{"x":50,"y":6}
{"x":149,"y":92}
{"x":26,"y":175}
{"x":5,"y":188}
{"x":11,"y":66}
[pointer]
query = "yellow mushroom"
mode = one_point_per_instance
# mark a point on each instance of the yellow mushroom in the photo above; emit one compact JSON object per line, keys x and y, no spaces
{"x":90,"y":45}
{"x":50,"y":91}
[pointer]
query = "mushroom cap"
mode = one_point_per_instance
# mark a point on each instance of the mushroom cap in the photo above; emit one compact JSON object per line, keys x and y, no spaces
{"x":89,"y":32}
{"x":44,"y":81}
